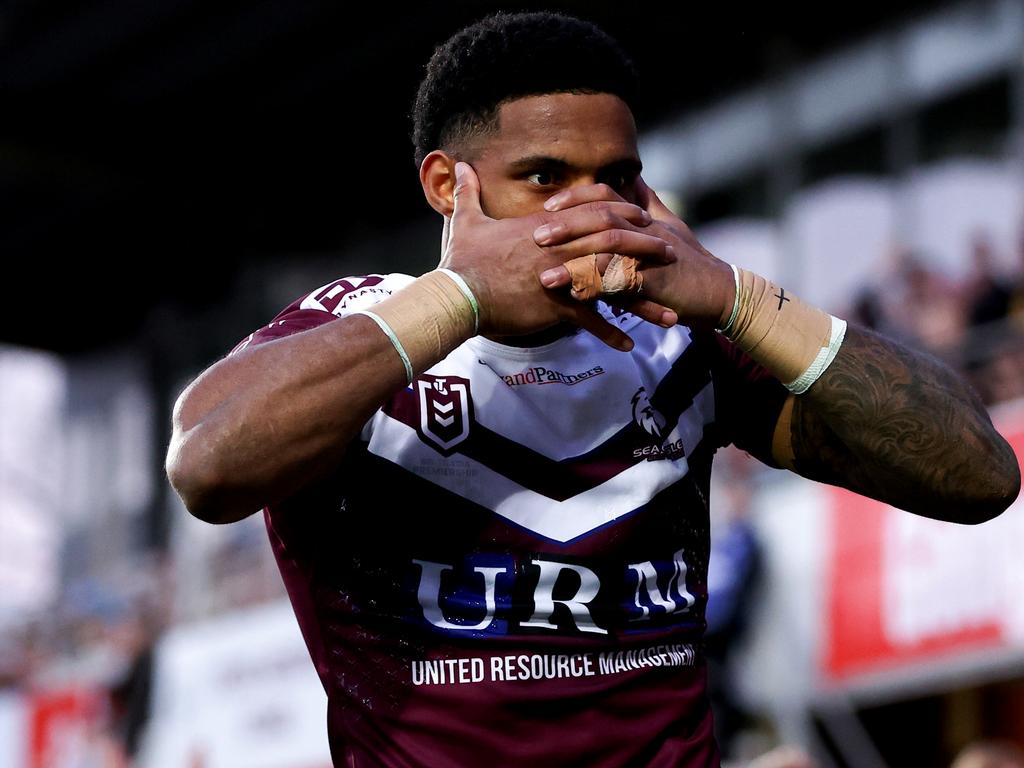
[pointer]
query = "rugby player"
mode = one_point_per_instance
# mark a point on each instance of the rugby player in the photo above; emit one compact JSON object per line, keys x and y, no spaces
{"x":487,"y":486}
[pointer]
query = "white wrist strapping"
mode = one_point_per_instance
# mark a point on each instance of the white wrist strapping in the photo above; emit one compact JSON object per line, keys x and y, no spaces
{"x":394,"y":340}
{"x":735,"y":302}
{"x":427,"y":319}
{"x":464,"y":287}
{"x":793,"y":340}
{"x":824,"y":359}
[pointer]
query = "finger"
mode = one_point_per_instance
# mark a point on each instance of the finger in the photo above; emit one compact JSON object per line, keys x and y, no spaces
{"x":573,"y":196}
{"x":588,"y":218}
{"x":650,"y":200}
{"x":596,"y":275}
{"x":561,"y":276}
{"x":652,"y":312}
{"x":556,"y":277}
{"x":649,"y":310}
{"x":639,"y":245}
{"x":589,"y":320}
{"x":467,"y":191}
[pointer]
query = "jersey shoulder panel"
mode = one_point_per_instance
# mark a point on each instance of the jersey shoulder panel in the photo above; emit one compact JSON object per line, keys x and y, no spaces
{"x":351,"y":294}
{"x":336,"y":299}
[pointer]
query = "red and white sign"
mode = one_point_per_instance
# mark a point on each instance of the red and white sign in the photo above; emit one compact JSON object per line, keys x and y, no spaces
{"x":66,"y":729}
{"x":903,"y":589}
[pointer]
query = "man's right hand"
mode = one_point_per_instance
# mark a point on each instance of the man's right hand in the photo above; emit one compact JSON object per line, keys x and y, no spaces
{"x":501,"y":262}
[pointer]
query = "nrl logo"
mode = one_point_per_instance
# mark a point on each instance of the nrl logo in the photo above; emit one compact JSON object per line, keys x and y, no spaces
{"x":445,"y":411}
{"x":645,"y":415}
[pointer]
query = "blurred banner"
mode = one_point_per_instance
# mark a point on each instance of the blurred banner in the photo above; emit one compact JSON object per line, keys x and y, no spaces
{"x":905,"y":591}
{"x":13,"y":730}
{"x":238,"y":692}
{"x":33,"y":391}
{"x":66,"y":729}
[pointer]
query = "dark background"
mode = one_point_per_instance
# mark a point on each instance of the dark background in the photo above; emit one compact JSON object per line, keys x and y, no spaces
{"x":149,"y":150}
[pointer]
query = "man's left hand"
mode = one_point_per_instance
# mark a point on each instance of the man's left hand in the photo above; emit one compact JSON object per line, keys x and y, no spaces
{"x":697,"y":285}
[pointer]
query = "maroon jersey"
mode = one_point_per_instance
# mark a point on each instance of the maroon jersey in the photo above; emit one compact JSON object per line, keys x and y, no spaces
{"x":509,"y":567}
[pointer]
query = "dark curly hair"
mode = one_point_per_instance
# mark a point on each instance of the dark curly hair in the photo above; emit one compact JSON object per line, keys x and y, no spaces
{"x":508,"y":56}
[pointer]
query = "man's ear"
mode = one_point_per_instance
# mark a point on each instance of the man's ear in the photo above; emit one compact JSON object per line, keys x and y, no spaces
{"x":437,"y":177}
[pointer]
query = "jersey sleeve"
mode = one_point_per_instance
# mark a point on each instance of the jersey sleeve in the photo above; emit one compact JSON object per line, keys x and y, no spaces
{"x":330,"y":302}
{"x":748,"y":399}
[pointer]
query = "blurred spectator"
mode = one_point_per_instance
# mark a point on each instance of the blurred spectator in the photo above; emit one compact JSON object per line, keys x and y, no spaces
{"x":976,"y":325}
{"x":13,"y":661}
{"x":733,"y":574}
{"x":927,"y":307}
{"x":131,"y":692}
{"x":988,"y":295}
{"x":993,"y":355}
{"x":1015,"y":310}
{"x":868,"y":310}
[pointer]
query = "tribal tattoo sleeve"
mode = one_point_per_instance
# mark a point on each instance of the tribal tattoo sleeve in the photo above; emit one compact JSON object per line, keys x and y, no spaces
{"x":901,"y":427}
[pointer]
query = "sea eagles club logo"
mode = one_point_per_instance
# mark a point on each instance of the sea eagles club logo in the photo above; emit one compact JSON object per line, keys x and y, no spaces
{"x":651,"y":421}
{"x":644,"y":414}
{"x":445,"y":411}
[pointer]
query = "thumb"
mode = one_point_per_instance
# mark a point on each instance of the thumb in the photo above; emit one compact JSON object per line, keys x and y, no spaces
{"x":650,"y":201}
{"x":467,"y":191}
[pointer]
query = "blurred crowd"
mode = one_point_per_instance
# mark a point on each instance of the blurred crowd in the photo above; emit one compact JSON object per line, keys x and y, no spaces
{"x":975,"y":324}
{"x":88,"y":662}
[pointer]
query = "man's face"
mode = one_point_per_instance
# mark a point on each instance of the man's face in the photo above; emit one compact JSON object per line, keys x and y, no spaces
{"x":547,"y":143}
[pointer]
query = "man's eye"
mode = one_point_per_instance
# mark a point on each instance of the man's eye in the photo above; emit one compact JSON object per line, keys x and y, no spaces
{"x":618,"y":181}
{"x":542,"y":179}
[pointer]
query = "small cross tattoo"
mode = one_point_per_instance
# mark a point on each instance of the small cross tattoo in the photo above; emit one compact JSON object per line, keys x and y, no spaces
{"x":781,"y":296}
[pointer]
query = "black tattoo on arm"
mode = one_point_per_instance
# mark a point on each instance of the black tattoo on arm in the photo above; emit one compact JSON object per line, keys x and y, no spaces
{"x":901,"y":427}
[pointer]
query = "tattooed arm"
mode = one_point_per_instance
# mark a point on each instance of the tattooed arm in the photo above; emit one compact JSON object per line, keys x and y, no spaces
{"x":900,"y":427}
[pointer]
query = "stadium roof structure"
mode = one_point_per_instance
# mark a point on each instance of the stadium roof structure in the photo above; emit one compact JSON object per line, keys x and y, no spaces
{"x":148,"y":150}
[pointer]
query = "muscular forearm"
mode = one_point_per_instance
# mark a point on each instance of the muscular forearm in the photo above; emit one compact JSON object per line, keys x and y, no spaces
{"x":257,"y":426}
{"x":901,"y":427}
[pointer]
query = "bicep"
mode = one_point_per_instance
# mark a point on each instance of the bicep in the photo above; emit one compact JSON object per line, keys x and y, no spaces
{"x":749,"y":403}
{"x":240,"y":366}
{"x":782,"y":436}
{"x":803,"y":443}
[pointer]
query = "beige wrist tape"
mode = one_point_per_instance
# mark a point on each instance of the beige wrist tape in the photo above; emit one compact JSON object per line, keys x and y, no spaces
{"x":588,"y":283}
{"x":793,"y":340}
{"x":425,"y":320}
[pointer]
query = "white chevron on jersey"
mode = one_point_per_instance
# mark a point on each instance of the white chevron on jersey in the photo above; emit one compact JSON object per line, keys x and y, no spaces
{"x":555,"y":420}
{"x":560,"y":521}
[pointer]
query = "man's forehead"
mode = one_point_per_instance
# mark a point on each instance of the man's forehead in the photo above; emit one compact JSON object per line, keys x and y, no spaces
{"x":562,"y":125}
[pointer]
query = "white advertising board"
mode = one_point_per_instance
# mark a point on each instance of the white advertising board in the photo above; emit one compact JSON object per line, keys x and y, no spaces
{"x":238,"y":692}
{"x":13,"y":730}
